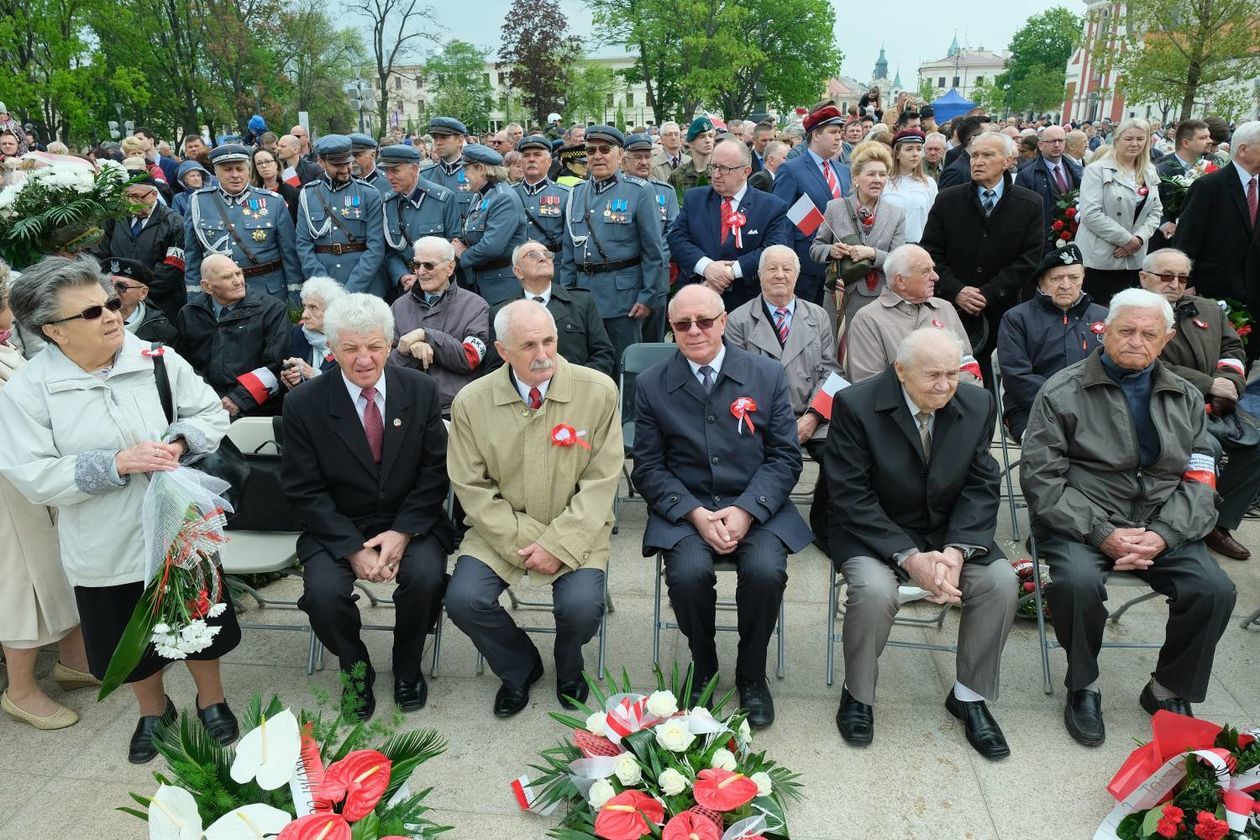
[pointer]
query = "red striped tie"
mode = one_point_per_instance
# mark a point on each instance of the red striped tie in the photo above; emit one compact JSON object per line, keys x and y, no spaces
{"x":832,"y":184}
{"x":781,"y":324}
{"x":373,"y":425}
{"x":535,"y":398}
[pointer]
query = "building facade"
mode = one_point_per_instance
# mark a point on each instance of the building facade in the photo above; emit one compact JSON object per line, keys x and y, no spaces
{"x":962,"y":70}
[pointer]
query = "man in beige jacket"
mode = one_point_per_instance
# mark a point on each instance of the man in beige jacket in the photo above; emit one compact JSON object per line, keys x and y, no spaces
{"x":534,"y":455}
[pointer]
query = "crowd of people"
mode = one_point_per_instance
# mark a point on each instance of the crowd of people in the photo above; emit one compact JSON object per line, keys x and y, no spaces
{"x":434,"y":313}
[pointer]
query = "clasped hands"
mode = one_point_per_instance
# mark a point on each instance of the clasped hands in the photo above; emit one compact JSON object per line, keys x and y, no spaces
{"x":971,"y":300}
{"x":150,"y":456}
{"x":937,"y":572}
{"x":378,"y":560}
{"x":857,"y":253}
{"x":413,"y":344}
{"x":722,"y":530}
{"x":1127,"y":249}
{"x":719,"y":275}
{"x":1133,"y":548}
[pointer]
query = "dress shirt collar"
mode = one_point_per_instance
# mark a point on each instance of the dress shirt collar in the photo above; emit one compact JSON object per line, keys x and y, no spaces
{"x":716,"y":364}
{"x":914,"y":411}
{"x":1243,"y":175}
{"x":999,"y":188}
{"x":545,"y":294}
{"x":738,"y":198}
{"x":790,"y":306}
{"x":523,"y":389}
{"x":356,"y":395}
{"x":1184,"y":163}
{"x":534,"y":189}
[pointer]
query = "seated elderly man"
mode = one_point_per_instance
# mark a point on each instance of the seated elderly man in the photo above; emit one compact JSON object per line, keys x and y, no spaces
{"x":798,"y":335}
{"x":236,"y":338}
{"x":535,"y":457}
{"x":915,"y":499}
{"x":1058,"y":327}
{"x":582,"y":338}
{"x":715,"y":458}
{"x":1119,"y":475}
{"x":440,"y":327}
{"x":906,"y":304}
{"x":364,"y":468}
{"x":1206,"y":352}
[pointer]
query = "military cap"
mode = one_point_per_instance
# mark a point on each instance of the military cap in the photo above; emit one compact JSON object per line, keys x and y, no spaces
{"x":334,"y":148}
{"x":533,"y":141}
{"x":572,"y":154}
{"x":447,"y":125}
{"x":229,"y":153}
{"x":638,"y":142}
{"x":398,"y":155}
{"x":362,"y":142}
{"x":477,"y":153}
{"x":908,"y":135}
{"x":699,"y":126}
{"x":826,"y":115}
{"x":131,"y":269}
{"x":606,"y":133}
{"x":1069,"y":254}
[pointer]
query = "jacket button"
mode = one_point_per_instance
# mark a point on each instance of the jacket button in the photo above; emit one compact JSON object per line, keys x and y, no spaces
{"x":763,"y":500}
{"x":717,"y":500}
{"x":715,"y":459}
{"x":673,"y":498}
{"x":380,"y":495}
{"x":711,"y":418}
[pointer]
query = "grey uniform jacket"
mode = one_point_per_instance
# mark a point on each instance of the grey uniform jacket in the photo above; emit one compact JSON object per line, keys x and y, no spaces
{"x":261,"y":222}
{"x":429,"y":210}
{"x":453,"y":178}
{"x":544,"y":205}
{"x":349,"y":214}
{"x":495,"y":225}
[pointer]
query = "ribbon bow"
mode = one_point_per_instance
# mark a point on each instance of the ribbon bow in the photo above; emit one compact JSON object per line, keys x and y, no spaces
{"x":566,"y":435}
{"x":735,"y":221}
{"x":741,"y":408}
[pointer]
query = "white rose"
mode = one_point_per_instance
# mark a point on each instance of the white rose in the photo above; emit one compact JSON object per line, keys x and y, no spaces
{"x":672,"y":782}
{"x":673,"y":735}
{"x":723,"y":759}
{"x":597,"y":723}
{"x":627,"y":770}
{"x":764,"y":787}
{"x":600,"y":793}
{"x":745,"y":732}
{"x":662,"y":704}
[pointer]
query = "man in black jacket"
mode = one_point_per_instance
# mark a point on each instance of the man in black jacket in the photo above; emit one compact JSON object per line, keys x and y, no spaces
{"x":1051,"y":175}
{"x":1193,"y":140}
{"x":153,"y":235}
{"x":130,"y":279}
{"x":957,"y":160}
{"x":235,"y":338}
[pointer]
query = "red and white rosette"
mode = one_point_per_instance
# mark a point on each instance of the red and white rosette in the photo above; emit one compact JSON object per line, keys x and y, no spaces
{"x":627,"y":714}
{"x":565,"y":435}
{"x":736,"y":221}
{"x":741,"y":410}
{"x":1097,"y":328}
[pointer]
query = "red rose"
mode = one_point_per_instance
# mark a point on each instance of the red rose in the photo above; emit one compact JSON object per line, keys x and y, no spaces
{"x":1066,"y":235}
{"x":1058,"y":225}
{"x":1208,"y":827}
{"x":1070,"y":212}
{"x":1244,"y":330}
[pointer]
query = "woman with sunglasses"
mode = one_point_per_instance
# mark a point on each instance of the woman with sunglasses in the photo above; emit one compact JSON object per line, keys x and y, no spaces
{"x":84,"y":427}
{"x":266,"y":174}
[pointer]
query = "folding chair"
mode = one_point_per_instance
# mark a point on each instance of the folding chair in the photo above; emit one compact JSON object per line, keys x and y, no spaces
{"x":1008,"y":466}
{"x":636,"y":359}
{"x":835,"y":609}
{"x":659,"y":623}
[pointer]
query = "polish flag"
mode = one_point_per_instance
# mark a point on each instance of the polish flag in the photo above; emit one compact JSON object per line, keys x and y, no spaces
{"x":821,"y":402}
{"x":805,"y":215}
{"x":290,"y":177}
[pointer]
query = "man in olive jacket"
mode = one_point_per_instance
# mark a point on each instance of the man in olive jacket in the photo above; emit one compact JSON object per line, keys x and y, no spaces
{"x":535,"y":455}
{"x":1119,"y":473}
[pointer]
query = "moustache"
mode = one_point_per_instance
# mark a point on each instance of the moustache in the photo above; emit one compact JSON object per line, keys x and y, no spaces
{"x":541,"y":364}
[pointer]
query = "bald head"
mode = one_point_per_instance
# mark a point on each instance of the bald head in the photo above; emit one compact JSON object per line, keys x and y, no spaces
{"x":222,"y":279}
{"x":217,"y":264}
{"x":525,"y":336}
{"x":693,"y":295}
{"x":927,"y":365}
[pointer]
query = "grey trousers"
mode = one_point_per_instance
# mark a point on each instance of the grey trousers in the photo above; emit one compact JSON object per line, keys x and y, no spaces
{"x":988,"y":611}
{"x":472,"y":602}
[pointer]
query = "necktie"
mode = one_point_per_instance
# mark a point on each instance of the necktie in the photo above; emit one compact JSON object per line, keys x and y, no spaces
{"x":1252,"y":202}
{"x":925,"y":433}
{"x":673,"y":162}
{"x":430,"y":299}
{"x":726,"y":217}
{"x":706,"y":378}
{"x":535,"y":398}
{"x":1058,"y":176}
{"x":373,"y":426}
{"x":781,"y":323}
{"x":137,"y":225}
{"x":990,"y":199}
{"x":538,"y":299}
{"x":832,"y":184}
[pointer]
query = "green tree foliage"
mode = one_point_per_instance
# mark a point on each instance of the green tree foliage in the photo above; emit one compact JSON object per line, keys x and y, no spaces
{"x":457,"y":78}
{"x":395,"y":33}
{"x":318,"y":59}
{"x":538,"y":53}
{"x":587,"y":96}
{"x":1033,"y":80}
{"x":926,"y":91}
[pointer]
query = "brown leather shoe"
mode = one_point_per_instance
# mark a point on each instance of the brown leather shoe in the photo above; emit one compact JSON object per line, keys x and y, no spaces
{"x":1223,"y":542}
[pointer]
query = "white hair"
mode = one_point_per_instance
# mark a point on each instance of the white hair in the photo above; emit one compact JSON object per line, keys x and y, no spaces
{"x":771,"y":250}
{"x":443,"y":246}
{"x":322,"y":288}
{"x":935,"y":135}
{"x":1139,"y":299}
{"x":923,"y":337}
{"x":506,"y":317}
{"x":358,"y":313}
{"x":669,"y":125}
{"x":1148,"y":262}
{"x":1248,"y":134}
{"x":898,"y":260}
{"x":519,"y":250}
{"x":1008,"y":143}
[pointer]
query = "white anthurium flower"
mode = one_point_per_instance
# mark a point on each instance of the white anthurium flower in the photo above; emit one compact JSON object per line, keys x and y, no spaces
{"x":269,"y":753}
{"x":173,"y":815}
{"x":253,"y":822}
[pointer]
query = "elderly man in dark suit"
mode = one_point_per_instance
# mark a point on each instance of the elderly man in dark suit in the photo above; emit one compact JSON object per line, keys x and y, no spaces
{"x":1051,"y":174}
{"x":719,"y":234}
{"x":365,"y":470}
{"x":715,"y":458}
{"x":923,"y":511}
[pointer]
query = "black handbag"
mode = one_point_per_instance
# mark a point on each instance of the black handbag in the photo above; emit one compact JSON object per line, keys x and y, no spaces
{"x":264,"y":505}
{"x":1236,"y":430}
{"x":226,"y":462}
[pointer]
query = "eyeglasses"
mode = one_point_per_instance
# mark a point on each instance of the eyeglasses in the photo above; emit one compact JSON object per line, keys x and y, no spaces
{"x":724,"y":170}
{"x":123,"y":287}
{"x":599,"y":150}
{"x":1171,"y":278}
{"x":426,"y":265}
{"x":265,"y":163}
{"x":93,"y":312}
{"x":685,"y":326}
{"x":539,"y":256}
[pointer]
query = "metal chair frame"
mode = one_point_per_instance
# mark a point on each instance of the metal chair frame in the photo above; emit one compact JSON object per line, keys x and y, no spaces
{"x":636,"y":359}
{"x":1008,"y":466}
{"x":1254,"y":618}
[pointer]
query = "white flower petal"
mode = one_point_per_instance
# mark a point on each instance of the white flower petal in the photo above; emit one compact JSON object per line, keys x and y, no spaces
{"x":252,"y":822}
{"x":173,"y":815}
{"x":269,"y":754}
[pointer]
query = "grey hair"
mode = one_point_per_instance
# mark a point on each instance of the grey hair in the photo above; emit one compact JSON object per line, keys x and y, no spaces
{"x":771,"y":250}
{"x":774,"y":146}
{"x":358,"y":313}
{"x":506,"y":317}
{"x":898,"y":260}
{"x":441,"y":245}
{"x":519,"y":250}
{"x":1247,"y":134}
{"x":324,"y":288}
{"x":1008,"y":142}
{"x":1139,"y":299}
{"x":1148,"y":263}
{"x":669,"y":125}
{"x":35,"y":297}
{"x":917,"y":340}
{"x":745,"y":153}
{"x":935,"y":135}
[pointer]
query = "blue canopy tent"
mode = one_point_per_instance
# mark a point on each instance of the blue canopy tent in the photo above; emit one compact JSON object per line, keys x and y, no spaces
{"x":951,"y":105}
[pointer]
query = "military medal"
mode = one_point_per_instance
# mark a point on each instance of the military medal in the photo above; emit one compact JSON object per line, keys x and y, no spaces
{"x":355,"y":205}
{"x":254,"y":208}
{"x":608,"y":210}
{"x":259,"y":235}
{"x":463,"y":180}
{"x":660,"y":200}
{"x":345,"y":205}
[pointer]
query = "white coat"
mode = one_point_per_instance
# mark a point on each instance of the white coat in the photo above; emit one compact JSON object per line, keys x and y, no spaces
{"x":1109,"y":205}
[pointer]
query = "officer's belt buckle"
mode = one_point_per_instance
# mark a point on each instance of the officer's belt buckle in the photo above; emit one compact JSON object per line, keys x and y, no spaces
{"x":336,"y":249}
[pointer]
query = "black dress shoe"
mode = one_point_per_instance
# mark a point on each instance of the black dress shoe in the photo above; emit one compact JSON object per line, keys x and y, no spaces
{"x":509,"y":700}
{"x":142,"y":750}
{"x":411,"y":696}
{"x":1083,"y":717}
{"x":577,"y":689}
{"x":983,"y":732}
{"x":357,"y":697}
{"x":1176,"y":705}
{"x":698,"y":682}
{"x":220,"y":723}
{"x":856,"y":721}
{"x":754,"y":697}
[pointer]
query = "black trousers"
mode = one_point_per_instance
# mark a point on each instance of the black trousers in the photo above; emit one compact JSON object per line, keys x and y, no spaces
{"x":1237,"y":482}
{"x":472,"y":602}
{"x":1200,"y":598}
{"x":328,"y":599}
{"x":819,"y":521}
{"x":1103,"y":284}
{"x":761,"y":577}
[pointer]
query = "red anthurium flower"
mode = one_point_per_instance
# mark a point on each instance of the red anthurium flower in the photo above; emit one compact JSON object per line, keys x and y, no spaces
{"x":620,"y":818}
{"x":360,"y":779}
{"x":723,"y":790}
{"x":691,"y":826}
{"x":317,"y":827}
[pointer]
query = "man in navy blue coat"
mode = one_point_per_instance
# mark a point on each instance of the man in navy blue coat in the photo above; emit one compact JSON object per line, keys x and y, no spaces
{"x":818,"y":174}
{"x":718,"y":236}
{"x":715,"y":458}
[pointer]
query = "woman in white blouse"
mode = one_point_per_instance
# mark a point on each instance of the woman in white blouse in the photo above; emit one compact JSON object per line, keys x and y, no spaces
{"x":910,"y":187}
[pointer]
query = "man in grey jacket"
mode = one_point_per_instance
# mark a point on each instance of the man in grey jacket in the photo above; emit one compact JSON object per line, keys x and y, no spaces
{"x":1120,"y":476}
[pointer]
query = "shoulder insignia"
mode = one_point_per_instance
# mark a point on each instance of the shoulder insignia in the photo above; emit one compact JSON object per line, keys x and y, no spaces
{"x":633,"y":179}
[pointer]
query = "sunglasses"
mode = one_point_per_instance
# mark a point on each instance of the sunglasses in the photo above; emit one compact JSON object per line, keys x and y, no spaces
{"x":93,"y":312}
{"x":599,"y":150}
{"x":702,"y":323}
{"x":427,"y":266}
{"x":1171,"y":278}
{"x":123,"y":287}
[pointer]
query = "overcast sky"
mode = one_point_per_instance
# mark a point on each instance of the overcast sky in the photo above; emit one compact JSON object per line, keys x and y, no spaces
{"x":913,"y":30}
